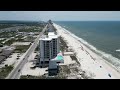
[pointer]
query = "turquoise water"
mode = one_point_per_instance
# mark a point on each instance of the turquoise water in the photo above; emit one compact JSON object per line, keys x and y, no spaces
{"x":103,"y":35}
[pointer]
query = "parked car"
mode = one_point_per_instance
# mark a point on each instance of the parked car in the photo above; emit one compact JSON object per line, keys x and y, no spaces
{"x":19,"y":70}
{"x":17,"y":58}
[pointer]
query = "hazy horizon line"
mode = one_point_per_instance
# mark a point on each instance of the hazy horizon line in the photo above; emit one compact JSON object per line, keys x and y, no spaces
{"x":60,"y":20}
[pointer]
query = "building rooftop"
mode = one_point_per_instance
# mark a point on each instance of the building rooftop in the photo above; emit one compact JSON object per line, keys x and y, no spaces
{"x":59,"y":57}
{"x":55,"y":36}
{"x":45,"y":37}
{"x":49,"y":36}
{"x":51,"y":33}
{"x":54,"y":62}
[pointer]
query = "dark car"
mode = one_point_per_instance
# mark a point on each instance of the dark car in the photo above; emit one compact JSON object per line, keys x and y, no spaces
{"x":17,"y":58}
{"x":19,"y":70}
{"x":109,"y":75}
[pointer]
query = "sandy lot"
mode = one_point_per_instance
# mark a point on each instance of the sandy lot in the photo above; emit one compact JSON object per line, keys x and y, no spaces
{"x":11,"y":60}
{"x":35,"y":72}
{"x":21,"y":43}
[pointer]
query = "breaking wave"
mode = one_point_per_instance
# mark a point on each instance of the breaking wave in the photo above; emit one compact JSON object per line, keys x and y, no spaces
{"x":118,"y":50}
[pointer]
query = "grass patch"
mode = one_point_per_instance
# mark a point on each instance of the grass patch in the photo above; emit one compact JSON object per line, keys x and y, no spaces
{"x":63,"y":45}
{"x":76,"y":69}
{"x":74,"y":58}
{"x":31,"y":29}
{"x":42,"y":77}
{"x":2,"y":26}
{"x":19,"y":36}
{"x":32,"y":77}
{"x":65,"y":69}
{"x":84,"y":76}
{"x":22,"y":48}
{"x":37,"y":48}
{"x":60,"y":76}
{"x":5,"y":71}
{"x":7,"y":34}
{"x":46,"y":32}
{"x":20,"y":40}
{"x":2,"y":40}
{"x":29,"y":39}
{"x":9,"y":42}
{"x":55,"y":30}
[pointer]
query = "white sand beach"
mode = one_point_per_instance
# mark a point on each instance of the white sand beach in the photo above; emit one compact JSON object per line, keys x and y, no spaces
{"x":90,"y":62}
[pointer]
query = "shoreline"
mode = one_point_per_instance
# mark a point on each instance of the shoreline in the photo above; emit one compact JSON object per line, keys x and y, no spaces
{"x":91,"y":62}
{"x":113,"y":61}
{"x":106,"y":60}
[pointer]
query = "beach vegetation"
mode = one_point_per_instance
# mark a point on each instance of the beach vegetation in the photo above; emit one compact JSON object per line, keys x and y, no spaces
{"x":4,"y":71}
{"x":9,"y":42}
{"x":31,"y":29}
{"x":2,"y":26}
{"x":73,"y":57}
{"x":63,"y":45}
{"x":37,"y":48}
{"x":42,"y":77}
{"x":21,"y":48}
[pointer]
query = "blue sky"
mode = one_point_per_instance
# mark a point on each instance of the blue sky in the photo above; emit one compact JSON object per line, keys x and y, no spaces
{"x":61,"y":15}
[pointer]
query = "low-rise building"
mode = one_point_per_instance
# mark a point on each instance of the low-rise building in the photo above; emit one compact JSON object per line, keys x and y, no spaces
{"x":53,"y":68}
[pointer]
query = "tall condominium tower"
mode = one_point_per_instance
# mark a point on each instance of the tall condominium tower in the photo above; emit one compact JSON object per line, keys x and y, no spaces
{"x":49,"y":48}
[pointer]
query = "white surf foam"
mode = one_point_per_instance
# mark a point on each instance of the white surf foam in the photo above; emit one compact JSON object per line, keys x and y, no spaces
{"x":113,"y":60}
{"x":118,"y":50}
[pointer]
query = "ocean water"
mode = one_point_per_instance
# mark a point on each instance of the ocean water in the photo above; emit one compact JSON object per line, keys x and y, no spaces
{"x":102,"y":35}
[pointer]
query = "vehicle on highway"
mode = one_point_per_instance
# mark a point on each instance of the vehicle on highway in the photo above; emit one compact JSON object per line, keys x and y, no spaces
{"x":17,"y":58}
{"x":109,"y":75}
{"x":19,"y":70}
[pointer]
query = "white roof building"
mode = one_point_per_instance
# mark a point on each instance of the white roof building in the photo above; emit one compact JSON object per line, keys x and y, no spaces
{"x":49,"y":47}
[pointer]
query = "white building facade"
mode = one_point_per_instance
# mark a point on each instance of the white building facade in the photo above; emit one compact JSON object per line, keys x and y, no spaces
{"x":49,"y":48}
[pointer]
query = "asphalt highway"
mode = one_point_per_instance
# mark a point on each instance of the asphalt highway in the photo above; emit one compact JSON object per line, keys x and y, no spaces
{"x":15,"y":73}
